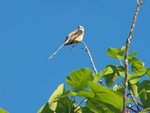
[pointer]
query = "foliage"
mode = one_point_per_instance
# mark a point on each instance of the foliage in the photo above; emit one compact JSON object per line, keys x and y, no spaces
{"x":3,"y":111}
{"x":102,"y":98}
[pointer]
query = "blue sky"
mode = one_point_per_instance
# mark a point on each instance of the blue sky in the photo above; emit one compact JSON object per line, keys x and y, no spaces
{"x":30,"y":30}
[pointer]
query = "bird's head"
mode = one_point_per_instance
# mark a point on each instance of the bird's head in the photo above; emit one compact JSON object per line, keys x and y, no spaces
{"x":81,"y":27}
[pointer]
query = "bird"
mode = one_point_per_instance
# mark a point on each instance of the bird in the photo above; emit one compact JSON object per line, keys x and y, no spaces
{"x":74,"y":37}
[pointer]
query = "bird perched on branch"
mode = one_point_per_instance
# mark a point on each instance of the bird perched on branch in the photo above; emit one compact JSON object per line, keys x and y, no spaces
{"x":74,"y":37}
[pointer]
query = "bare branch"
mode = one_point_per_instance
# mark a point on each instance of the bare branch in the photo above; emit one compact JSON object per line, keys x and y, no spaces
{"x":130,"y":108}
{"x":128,"y":41}
{"x":135,"y":101}
{"x":141,"y":2}
{"x":137,"y":1}
{"x":90,"y":57}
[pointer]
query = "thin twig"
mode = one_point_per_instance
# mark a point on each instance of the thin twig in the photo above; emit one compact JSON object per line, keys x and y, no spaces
{"x":80,"y":104}
{"x":137,"y":1}
{"x":90,"y":57}
{"x":135,"y":101}
{"x":130,"y":108}
{"x":93,"y":65}
{"x":128,"y":41}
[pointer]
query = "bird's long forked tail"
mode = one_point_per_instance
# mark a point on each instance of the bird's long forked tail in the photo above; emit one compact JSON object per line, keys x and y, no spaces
{"x":60,"y":47}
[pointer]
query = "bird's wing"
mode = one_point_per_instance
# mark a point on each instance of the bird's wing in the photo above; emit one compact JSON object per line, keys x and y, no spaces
{"x":72,"y":36}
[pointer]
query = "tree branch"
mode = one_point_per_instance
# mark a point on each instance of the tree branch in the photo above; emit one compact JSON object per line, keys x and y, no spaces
{"x":128,"y":41}
{"x":90,"y":57}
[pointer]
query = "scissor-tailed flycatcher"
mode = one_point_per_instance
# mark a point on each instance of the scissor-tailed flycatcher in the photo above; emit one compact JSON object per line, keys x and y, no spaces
{"x":74,"y":37}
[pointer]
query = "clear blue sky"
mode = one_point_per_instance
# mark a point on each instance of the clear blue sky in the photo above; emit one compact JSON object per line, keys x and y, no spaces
{"x":30,"y":30}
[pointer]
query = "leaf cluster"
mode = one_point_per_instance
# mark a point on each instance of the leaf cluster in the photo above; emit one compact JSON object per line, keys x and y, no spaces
{"x":87,"y":95}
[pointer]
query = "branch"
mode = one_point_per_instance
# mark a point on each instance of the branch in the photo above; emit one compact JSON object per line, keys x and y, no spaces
{"x":79,"y":104}
{"x":130,"y":108}
{"x":90,"y":57}
{"x":139,"y":3}
{"x":135,"y":101}
{"x":128,"y":41}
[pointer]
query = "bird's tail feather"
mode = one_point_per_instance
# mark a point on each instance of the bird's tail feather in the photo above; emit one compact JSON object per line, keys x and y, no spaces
{"x":60,"y":47}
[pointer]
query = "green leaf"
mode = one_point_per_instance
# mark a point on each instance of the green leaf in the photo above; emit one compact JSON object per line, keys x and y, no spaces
{"x":139,"y":68}
{"x":80,"y":93}
{"x":57,"y":104}
{"x":79,"y":79}
{"x":3,"y":111}
{"x":148,"y":72}
{"x":97,"y":106}
{"x":53,"y":101}
{"x":65,"y":105}
{"x":134,"y":78}
{"x":134,"y":89}
{"x":110,"y":78}
{"x":45,"y":109}
{"x":107,"y":70}
{"x":135,"y":60}
{"x":68,"y":93}
{"x":118,"y":88}
{"x":117,"y":53}
{"x":106,"y":95}
{"x":85,"y":94}
{"x":85,"y":109}
{"x":81,"y":109}
{"x":144,"y":94}
{"x":131,"y":55}
{"x":123,"y":48}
